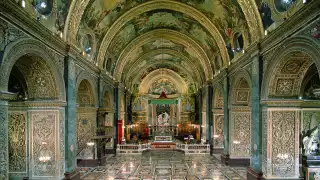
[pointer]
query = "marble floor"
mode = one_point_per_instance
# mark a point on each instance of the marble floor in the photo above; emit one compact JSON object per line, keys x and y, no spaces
{"x":163,"y":165}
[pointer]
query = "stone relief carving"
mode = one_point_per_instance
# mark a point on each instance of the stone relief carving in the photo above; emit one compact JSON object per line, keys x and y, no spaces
{"x":283,"y":143}
{"x":289,"y":73}
{"x":85,"y":129}
{"x":4,"y":162}
{"x":40,"y":80}
{"x":43,"y":130}
{"x":218,"y":130}
{"x":241,"y":134}
{"x":17,"y":142}
{"x":8,"y":33}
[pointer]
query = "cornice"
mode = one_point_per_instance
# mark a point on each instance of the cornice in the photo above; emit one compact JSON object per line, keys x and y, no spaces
{"x":289,"y":103}
{"x":7,"y":96}
{"x":39,"y":104}
{"x":17,"y":16}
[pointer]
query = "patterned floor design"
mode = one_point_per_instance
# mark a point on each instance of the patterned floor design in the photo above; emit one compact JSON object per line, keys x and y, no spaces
{"x":163,"y":165}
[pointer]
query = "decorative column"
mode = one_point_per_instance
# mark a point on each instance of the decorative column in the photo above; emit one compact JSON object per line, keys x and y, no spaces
{"x":209,"y":115}
{"x":4,"y":152}
{"x":70,"y":116}
{"x":116,"y":114}
{"x":225,"y":156}
{"x":255,"y":171}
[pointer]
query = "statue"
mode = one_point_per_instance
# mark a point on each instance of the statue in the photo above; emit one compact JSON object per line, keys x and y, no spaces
{"x":310,"y":138}
{"x":163,"y":119}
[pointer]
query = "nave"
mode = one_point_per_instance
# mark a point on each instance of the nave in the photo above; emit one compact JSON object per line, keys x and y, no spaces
{"x":163,"y":165}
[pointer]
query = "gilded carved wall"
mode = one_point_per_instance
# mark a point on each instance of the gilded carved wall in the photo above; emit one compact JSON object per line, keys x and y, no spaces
{"x":218,"y":131}
{"x":282,"y":147}
{"x":44,"y":126}
{"x":86,"y":125}
{"x":240,"y":133}
{"x":17,"y":142}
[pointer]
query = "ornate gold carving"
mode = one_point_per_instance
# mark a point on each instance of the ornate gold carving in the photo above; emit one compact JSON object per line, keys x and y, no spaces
{"x":240,"y":127}
{"x":283,"y":143}
{"x":17,"y":142}
{"x":39,"y":79}
{"x":288,"y":74}
{"x":86,"y":124}
{"x":43,"y":133}
{"x":164,"y":4}
{"x":218,"y":131}
{"x":163,"y":34}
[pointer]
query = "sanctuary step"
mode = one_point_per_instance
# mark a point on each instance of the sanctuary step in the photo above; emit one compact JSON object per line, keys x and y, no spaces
{"x":163,"y":146}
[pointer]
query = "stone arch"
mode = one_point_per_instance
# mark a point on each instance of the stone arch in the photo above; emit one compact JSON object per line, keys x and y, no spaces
{"x":240,"y":115}
{"x":85,"y":93}
{"x":158,"y":74}
{"x":302,"y":46}
{"x":218,"y":101}
{"x":240,"y":89}
{"x":90,"y":82}
{"x":44,"y":59}
{"x":107,"y":95}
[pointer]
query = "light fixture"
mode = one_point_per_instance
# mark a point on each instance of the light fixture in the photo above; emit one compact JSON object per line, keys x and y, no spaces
{"x":90,"y":143}
{"x":61,"y":35}
{"x":43,"y":5}
{"x":265,"y":32}
{"x":44,"y":154}
{"x":236,"y":142}
{"x":304,"y":1}
{"x":216,"y":136}
{"x":23,"y":3}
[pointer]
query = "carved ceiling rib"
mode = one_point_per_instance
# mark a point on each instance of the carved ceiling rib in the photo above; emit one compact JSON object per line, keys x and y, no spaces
{"x":133,"y":68}
{"x":73,"y":20}
{"x":163,"y":4}
{"x":78,"y":7}
{"x":163,"y":34}
{"x":163,"y":73}
{"x":251,"y":13}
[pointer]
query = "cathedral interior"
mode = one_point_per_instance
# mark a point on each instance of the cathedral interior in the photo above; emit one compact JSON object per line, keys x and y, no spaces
{"x":159,"y":89}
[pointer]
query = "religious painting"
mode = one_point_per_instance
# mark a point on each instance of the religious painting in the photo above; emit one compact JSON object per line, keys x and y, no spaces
{"x":101,"y":14}
{"x":162,"y":85}
{"x":227,"y":15}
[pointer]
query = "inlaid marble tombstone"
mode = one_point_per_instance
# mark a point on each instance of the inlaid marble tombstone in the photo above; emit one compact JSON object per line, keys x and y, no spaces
{"x":36,"y":123}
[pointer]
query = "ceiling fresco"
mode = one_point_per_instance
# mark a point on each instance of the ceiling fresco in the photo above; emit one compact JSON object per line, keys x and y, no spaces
{"x":160,"y":85}
{"x":163,"y":19}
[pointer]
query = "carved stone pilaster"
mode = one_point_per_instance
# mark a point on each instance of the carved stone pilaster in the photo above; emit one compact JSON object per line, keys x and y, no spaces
{"x":280,"y":148}
{"x":4,"y":156}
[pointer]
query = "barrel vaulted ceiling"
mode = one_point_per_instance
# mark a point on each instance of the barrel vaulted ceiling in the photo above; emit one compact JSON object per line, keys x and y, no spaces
{"x":133,"y":39}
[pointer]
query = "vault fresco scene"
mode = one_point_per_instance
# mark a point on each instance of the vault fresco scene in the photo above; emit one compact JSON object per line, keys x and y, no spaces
{"x":159,"y":89}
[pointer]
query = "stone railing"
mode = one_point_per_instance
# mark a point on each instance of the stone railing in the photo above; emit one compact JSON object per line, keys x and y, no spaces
{"x":139,"y":148}
{"x":194,"y":148}
{"x":132,"y":148}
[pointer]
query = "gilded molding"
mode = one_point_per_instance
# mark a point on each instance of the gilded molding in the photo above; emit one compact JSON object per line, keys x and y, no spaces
{"x":170,"y":35}
{"x":145,"y":56}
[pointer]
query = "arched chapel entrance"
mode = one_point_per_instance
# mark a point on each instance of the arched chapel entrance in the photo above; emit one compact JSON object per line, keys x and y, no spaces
{"x":290,"y":109}
{"x":35,"y":116}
